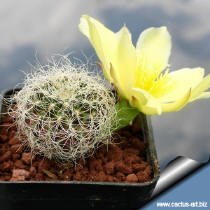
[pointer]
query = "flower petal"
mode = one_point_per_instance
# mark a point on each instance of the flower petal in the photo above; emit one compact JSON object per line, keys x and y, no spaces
{"x":143,"y":101}
{"x":180,"y":82}
{"x":125,"y":63}
{"x":198,"y":91}
{"x":204,"y":95}
{"x":154,"y":48}
{"x":188,"y":77}
{"x":116,"y":81}
{"x":103,"y":40}
{"x":177,"y":105}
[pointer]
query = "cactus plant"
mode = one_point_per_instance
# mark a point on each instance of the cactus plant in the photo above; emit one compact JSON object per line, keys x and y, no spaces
{"x":64,"y":112}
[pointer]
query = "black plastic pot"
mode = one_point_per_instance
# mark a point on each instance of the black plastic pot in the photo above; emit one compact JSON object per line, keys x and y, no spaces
{"x":81,"y":195}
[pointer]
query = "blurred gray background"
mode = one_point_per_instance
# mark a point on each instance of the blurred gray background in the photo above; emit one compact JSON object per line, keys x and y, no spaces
{"x":37,"y":28}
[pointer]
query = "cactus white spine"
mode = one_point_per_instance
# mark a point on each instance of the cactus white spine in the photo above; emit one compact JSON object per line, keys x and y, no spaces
{"x":64,"y":111}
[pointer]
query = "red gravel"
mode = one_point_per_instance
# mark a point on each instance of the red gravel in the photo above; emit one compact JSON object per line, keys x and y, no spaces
{"x":124,"y":161}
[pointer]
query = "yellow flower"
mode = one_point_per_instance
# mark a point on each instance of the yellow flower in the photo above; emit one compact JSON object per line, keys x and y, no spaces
{"x":141,"y":74}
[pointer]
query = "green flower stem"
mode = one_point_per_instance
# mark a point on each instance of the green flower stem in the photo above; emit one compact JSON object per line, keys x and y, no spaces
{"x":125,"y":114}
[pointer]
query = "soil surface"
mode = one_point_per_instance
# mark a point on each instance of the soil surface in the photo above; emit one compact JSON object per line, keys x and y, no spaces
{"x":123,"y":161}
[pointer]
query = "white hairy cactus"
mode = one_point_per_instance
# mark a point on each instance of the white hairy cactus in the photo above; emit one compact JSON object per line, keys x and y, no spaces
{"x":64,"y":112}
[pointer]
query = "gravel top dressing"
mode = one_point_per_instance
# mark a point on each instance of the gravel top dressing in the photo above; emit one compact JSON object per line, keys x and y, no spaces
{"x":122,"y":161}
